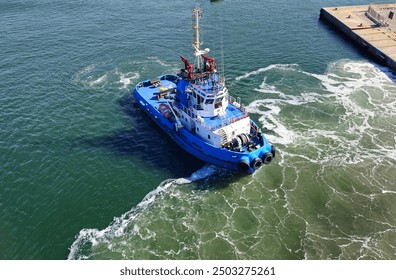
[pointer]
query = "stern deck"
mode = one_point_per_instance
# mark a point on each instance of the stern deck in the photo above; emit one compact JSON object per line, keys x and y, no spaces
{"x":232,"y":115}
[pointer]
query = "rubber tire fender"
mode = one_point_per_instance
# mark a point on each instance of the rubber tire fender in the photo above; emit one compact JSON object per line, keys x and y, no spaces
{"x":267,"y":158}
{"x":256,"y":163}
{"x":273,"y":151}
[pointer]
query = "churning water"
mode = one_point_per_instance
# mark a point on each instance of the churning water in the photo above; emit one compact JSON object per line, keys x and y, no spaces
{"x":84,"y":174}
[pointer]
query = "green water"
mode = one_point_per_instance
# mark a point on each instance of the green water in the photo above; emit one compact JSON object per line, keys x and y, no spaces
{"x":84,"y":174}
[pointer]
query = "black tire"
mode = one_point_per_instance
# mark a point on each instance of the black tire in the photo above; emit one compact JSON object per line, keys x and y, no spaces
{"x":243,"y":166}
{"x":273,"y":151}
{"x":256,"y":163}
{"x":267,"y":158}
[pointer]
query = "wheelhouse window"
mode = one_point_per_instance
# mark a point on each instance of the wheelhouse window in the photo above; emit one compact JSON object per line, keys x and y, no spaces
{"x":199,"y":99}
{"x":218,"y":102}
{"x":209,"y":101}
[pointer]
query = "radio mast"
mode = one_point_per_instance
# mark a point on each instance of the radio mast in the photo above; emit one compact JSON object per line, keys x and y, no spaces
{"x":197,"y":39}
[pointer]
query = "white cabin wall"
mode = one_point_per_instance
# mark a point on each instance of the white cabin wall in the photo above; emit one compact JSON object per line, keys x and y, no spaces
{"x":203,"y":133}
{"x":207,"y":112}
{"x":186,"y":121}
{"x":236,"y":128}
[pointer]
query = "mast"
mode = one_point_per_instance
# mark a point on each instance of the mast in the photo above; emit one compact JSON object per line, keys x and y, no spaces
{"x":197,"y":39}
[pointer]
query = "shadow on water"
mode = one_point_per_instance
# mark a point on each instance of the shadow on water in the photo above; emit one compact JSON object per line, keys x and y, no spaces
{"x":146,"y":141}
{"x":145,"y":129}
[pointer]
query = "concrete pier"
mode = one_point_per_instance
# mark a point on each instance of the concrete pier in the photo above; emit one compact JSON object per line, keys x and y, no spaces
{"x":372,"y":27}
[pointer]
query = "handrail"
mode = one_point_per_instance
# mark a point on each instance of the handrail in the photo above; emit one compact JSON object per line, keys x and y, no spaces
{"x":378,"y":14}
{"x":212,"y":127}
{"x":374,"y":15}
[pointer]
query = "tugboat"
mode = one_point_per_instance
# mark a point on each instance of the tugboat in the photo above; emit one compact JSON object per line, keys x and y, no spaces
{"x":196,"y":111}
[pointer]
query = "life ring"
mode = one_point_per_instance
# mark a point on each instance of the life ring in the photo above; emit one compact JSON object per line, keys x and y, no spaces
{"x":164,"y":110}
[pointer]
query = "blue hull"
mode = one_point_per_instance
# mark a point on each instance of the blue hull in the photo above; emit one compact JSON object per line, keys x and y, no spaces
{"x":195,"y":146}
{"x":195,"y":109}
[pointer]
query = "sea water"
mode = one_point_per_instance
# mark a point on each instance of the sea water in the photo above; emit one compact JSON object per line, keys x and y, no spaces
{"x":84,"y":174}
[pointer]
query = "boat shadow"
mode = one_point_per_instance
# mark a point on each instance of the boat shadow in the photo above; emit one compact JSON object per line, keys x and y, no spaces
{"x":177,"y":158}
{"x":146,"y":143}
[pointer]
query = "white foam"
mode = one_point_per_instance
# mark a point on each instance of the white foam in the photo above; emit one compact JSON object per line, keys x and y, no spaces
{"x":265,"y":69}
{"x":282,"y":135}
{"x":266,"y":88}
{"x":363,"y":91}
{"x":98,"y":81}
{"x":117,"y":228}
{"x":79,"y":76}
{"x":386,"y":191}
{"x":99,"y":75}
{"x":157,"y":60}
{"x":93,"y":237}
{"x":202,"y":173}
{"x":128,"y":78}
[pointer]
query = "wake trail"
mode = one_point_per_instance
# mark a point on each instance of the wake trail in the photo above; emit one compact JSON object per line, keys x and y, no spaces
{"x":88,"y":238}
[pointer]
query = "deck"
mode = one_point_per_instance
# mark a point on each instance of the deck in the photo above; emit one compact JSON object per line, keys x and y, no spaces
{"x":372,"y":27}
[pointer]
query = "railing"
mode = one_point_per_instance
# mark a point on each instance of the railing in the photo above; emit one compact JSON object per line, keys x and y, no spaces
{"x":211,"y":127}
{"x":237,"y":103}
{"x":374,"y":15}
{"x":188,"y":111}
{"x":382,"y":14}
{"x":217,"y":90}
{"x":223,"y":123}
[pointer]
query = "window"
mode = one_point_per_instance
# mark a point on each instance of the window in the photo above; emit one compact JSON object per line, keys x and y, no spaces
{"x":209,"y":101}
{"x":208,"y":136}
{"x":218,"y":103}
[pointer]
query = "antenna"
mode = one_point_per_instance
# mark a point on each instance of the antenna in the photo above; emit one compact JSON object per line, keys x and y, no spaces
{"x":197,"y":38}
{"x":222,"y":53}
